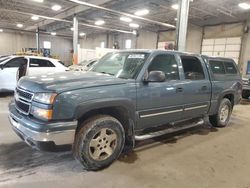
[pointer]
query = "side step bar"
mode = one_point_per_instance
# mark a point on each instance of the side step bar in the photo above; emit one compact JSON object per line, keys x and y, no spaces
{"x":169,"y":130}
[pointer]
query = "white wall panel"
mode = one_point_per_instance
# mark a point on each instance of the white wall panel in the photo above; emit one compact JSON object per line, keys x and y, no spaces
{"x":220,"y":41}
{"x":233,"y":47}
{"x":208,"y":42}
{"x":222,"y":47}
{"x":219,"y":48}
{"x":234,"y":40}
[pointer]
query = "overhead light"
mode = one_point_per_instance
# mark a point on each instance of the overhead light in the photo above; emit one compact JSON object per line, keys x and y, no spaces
{"x":175,"y":19}
{"x":175,"y":6}
{"x":142,"y":12}
{"x":134,"y":25}
{"x":35,"y":18}
{"x":53,"y":33}
{"x":56,"y":7}
{"x":72,"y":29}
{"x":19,"y":25}
{"x":244,"y":6}
{"x":38,"y":1}
{"x":125,"y":19}
{"x":82,"y":34}
{"x":134,"y":32}
{"x":1,"y":30}
{"x":99,"y":22}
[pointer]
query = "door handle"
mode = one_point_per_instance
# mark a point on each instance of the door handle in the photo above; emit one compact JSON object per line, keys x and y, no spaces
{"x":203,"y":88}
{"x":179,"y":89}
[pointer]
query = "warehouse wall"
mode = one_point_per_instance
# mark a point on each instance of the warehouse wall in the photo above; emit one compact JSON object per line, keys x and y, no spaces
{"x":245,"y":55}
{"x":194,"y":38}
{"x":146,"y":40}
{"x":12,"y":42}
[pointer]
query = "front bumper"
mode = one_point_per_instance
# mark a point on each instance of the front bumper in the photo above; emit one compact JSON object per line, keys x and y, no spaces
{"x":42,"y":135}
{"x":246,"y":87}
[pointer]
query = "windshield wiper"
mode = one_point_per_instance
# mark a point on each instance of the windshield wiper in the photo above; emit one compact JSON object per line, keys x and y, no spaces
{"x":107,"y":73}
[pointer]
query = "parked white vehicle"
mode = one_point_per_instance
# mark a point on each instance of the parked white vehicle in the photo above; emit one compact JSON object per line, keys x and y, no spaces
{"x":36,"y":65}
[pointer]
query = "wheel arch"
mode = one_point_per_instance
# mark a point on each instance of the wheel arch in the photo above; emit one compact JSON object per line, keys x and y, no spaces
{"x":123,"y":110}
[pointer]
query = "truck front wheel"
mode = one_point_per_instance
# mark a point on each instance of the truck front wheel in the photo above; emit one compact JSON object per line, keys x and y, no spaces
{"x":222,"y":118}
{"x":99,"y":142}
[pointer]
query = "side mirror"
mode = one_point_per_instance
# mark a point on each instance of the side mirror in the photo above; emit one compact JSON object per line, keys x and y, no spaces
{"x":1,"y":66}
{"x":155,"y":76}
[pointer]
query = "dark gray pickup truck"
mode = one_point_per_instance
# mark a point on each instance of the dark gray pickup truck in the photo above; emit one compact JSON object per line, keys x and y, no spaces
{"x":126,"y":96}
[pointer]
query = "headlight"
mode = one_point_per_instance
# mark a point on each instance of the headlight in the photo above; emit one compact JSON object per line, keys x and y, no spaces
{"x":40,"y":113}
{"x":47,"y":98}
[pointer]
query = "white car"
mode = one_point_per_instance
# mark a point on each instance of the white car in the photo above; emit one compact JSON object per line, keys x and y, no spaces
{"x":36,"y":65}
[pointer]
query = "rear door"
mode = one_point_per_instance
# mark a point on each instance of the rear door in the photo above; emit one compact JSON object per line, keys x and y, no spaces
{"x":196,"y":87}
{"x":159,"y":103}
{"x":40,"y":66}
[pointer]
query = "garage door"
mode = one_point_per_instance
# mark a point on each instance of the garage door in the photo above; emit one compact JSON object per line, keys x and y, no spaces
{"x":222,"y":47}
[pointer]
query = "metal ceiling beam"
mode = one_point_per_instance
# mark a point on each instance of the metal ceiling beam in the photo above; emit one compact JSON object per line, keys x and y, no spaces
{"x":122,"y":13}
{"x":67,"y":21}
{"x":68,"y":13}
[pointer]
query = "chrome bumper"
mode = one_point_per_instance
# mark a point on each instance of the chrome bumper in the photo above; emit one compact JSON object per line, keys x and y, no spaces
{"x":64,"y":137}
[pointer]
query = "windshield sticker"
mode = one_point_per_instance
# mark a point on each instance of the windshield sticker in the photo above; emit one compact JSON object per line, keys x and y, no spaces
{"x":136,"y":56}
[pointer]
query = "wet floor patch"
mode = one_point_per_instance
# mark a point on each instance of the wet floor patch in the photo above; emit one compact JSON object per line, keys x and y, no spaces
{"x":18,"y":160}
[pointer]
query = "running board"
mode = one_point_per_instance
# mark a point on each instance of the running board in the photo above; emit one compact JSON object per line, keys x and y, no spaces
{"x":169,"y":130}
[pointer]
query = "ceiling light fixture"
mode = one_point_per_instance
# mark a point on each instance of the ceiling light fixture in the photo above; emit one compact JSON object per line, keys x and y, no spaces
{"x":175,"y":6}
{"x":72,"y":29}
{"x":134,"y":25}
{"x":1,"y":30}
{"x":82,"y":34}
{"x":245,"y":6}
{"x":56,"y":7}
{"x":142,"y":12}
{"x":175,"y":19}
{"x":125,"y":19}
{"x":99,"y":22}
{"x":53,"y":33}
{"x":19,"y":25}
{"x":38,"y":1}
{"x":35,"y":18}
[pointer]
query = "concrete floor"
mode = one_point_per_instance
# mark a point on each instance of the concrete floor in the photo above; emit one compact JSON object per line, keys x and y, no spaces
{"x":199,"y":158}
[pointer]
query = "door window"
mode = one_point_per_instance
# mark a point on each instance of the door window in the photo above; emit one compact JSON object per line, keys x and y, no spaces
{"x":217,"y":67}
{"x":40,"y":63}
{"x":192,"y":68}
{"x":15,"y":62}
{"x":230,"y":68}
{"x":167,"y":64}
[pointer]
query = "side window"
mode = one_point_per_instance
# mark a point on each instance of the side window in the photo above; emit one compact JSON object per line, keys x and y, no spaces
{"x":217,"y":67}
{"x":40,"y":63}
{"x":167,"y":64}
{"x":15,"y":62}
{"x":192,"y":68}
{"x":230,"y":68}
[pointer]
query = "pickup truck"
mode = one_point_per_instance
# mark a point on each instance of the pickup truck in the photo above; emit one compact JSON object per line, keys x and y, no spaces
{"x":125,"y":97}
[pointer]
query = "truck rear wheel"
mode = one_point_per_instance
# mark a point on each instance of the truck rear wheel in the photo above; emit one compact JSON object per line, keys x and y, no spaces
{"x":99,"y":142}
{"x":222,"y":118}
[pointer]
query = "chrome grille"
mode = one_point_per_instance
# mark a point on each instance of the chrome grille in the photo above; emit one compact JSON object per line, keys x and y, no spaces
{"x":23,"y":100}
{"x":25,"y":95}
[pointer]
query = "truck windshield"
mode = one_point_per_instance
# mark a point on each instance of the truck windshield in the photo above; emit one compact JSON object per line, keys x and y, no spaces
{"x":124,"y":65}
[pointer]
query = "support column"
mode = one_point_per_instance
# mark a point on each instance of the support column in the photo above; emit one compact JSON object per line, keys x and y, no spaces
{"x":38,"y":40}
{"x":75,"y":41}
{"x":182,"y":24}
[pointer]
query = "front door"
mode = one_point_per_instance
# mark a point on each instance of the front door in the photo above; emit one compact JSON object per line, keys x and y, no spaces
{"x":8,"y":75}
{"x":40,"y":67}
{"x":159,"y":103}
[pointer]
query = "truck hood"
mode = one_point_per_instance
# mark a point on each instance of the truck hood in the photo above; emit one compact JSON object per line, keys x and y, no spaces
{"x":67,"y":81}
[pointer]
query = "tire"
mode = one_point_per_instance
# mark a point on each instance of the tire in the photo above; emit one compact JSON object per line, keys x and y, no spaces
{"x":220,"y":120}
{"x":99,"y":142}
